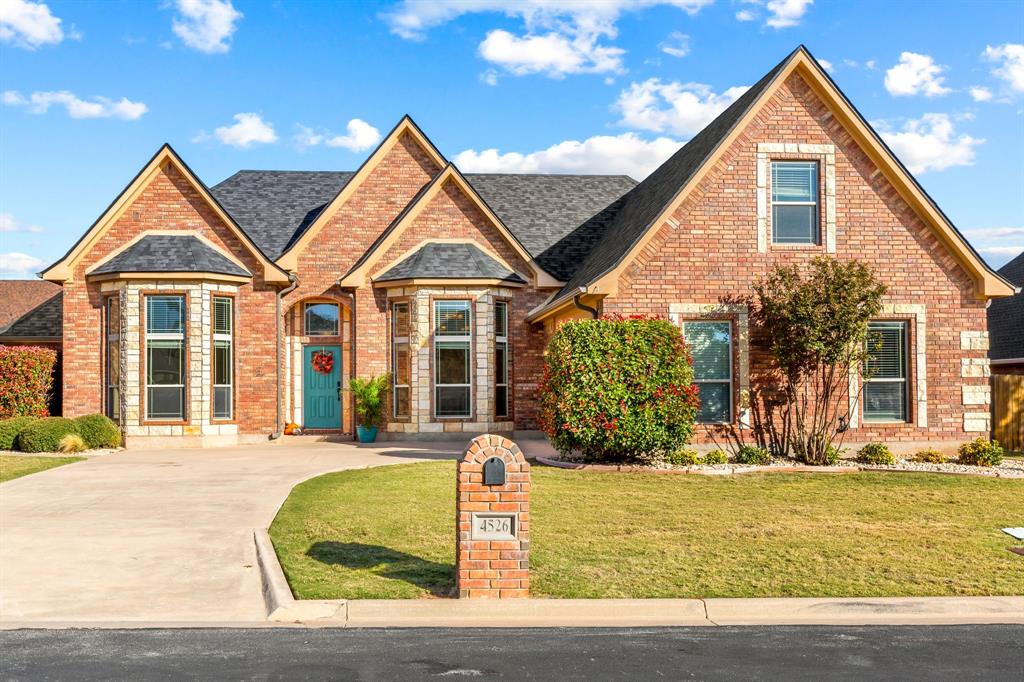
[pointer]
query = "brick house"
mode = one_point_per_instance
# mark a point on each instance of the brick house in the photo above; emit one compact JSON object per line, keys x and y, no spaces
{"x":213,"y":314}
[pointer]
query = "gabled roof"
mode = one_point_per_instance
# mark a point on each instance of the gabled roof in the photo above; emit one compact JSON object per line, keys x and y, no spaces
{"x":1006,"y":317}
{"x":43,"y":322}
{"x":651,"y":203}
{"x":165,"y":156}
{"x":276,"y":207}
{"x":18,"y":296}
{"x":449,"y":261}
{"x":170,"y":253}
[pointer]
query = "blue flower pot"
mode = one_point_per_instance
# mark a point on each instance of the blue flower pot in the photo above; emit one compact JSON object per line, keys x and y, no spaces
{"x":367,"y":434}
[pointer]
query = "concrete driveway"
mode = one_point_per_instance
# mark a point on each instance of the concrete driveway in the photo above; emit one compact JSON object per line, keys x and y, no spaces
{"x":159,"y":535}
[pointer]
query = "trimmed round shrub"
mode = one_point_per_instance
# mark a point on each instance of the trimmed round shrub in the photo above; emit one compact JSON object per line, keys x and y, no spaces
{"x":929,"y":456}
{"x":618,"y":390}
{"x":684,"y":457}
{"x":9,"y":430}
{"x":753,"y":455}
{"x":876,"y":453}
{"x":715,"y":457}
{"x":71,"y":443}
{"x":98,"y":431}
{"x":44,"y":435}
{"x":981,"y":453}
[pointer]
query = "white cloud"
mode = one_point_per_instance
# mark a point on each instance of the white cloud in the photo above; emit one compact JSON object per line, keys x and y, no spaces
{"x":980,"y":94}
{"x":489,"y":77}
{"x":248,"y":130}
{"x":15,"y":263}
{"x":786,"y":13}
{"x":1011,"y":63}
{"x":28,"y":25}
{"x":983,"y":233}
{"x":206,"y":25}
{"x":679,"y":108}
{"x":9,"y":224}
{"x":746,"y":15}
{"x":360,"y":136}
{"x":96,"y":107}
{"x":627,"y":153}
{"x":825,"y":64}
{"x":916,"y":74}
{"x":852,"y":63}
{"x":561,"y":36}
{"x":870,"y":64}
{"x":930,"y":143}
{"x":676,"y":45}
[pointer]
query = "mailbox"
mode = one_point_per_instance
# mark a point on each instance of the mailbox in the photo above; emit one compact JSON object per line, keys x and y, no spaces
{"x":494,"y":471}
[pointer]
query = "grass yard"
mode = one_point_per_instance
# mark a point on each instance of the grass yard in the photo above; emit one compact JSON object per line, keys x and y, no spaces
{"x":16,"y":466}
{"x":389,"y":532}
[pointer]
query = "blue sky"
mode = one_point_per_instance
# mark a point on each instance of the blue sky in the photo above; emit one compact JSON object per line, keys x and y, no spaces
{"x":91,"y":89}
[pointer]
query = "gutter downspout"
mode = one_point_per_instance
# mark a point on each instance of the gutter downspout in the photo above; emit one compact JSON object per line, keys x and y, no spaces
{"x":585,"y":308}
{"x":277,"y":347}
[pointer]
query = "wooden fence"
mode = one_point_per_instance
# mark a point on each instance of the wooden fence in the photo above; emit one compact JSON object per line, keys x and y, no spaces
{"x":1008,"y":411}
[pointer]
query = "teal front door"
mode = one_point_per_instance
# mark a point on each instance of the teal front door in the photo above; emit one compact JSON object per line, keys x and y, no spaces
{"x":321,"y":384}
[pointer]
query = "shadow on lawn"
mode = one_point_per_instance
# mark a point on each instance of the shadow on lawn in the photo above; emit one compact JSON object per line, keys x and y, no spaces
{"x":436,"y":578}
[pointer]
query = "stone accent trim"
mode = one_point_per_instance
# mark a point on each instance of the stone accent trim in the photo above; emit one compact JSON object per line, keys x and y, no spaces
{"x":824,"y":153}
{"x":977,"y":395}
{"x":680,"y":312}
{"x":975,"y":368}
{"x":974,"y":340}
{"x":920,"y":354}
{"x":977,"y":422}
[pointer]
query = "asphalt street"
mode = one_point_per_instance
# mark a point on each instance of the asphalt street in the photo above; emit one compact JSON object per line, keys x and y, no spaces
{"x":971,"y":652}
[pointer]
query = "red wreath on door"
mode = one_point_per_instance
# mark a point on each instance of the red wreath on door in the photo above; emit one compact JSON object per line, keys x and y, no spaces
{"x":323,"y":361}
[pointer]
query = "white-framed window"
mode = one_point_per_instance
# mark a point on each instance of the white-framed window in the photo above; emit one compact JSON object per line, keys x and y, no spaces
{"x":453,"y":323}
{"x":501,"y":359}
{"x":401,"y":360}
{"x":321,"y":319}
{"x":112,"y":348}
{"x":223,"y":357}
{"x":165,"y":357}
{"x":885,"y":390}
{"x":795,"y":202}
{"x":710,"y":343}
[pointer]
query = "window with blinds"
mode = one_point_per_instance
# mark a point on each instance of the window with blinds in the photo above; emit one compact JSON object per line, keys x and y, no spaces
{"x":112,"y":310}
{"x":710,"y":345}
{"x":452,"y":370}
{"x":501,"y":359}
{"x":885,"y":387}
{"x":165,"y":357}
{"x":794,"y":202}
{"x":401,"y":360}
{"x":223,"y":357}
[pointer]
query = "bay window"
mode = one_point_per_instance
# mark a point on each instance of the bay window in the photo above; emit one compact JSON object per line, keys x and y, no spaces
{"x":223,"y":357}
{"x":710,"y":345}
{"x":452,"y":363}
{"x":165,"y":357}
{"x":885,"y":389}
{"x":501,"y":359}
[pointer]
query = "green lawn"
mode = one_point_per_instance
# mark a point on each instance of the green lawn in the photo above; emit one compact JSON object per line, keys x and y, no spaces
{"x":389,"y":532}
{"x":15,"y":466}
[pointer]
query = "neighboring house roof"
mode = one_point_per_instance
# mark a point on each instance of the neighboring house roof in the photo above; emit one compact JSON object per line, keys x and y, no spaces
{"x":1006,"y":317}
{"x":170,"y":253}
{"x":18,"y":296}
{"x":548,"y":214}
{"x":43,"y":322}
{"x":275,"y":207}
{"x":449,"y":261}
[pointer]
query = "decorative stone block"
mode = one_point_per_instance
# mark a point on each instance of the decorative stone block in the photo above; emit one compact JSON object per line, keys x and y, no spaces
{"x":977,"y":422}
{"x":973,"y":340}
{"x":977,"y":395}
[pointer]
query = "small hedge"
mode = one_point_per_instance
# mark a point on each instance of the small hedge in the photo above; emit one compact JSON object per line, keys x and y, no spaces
{"x":753,"y":455}
{"x":715,"y":457}
{"x":618,"y":390}
{"x":44,"y":435}
{"x":982,"y":453}
{"x":876,"y":453}
{"x":98,"y":431}
{"x":10,"y":428}
{"x":929,"y":456}
{"x":26,"y":379}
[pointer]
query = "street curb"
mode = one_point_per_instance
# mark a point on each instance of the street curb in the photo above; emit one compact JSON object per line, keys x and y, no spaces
{"x":282,"y":607}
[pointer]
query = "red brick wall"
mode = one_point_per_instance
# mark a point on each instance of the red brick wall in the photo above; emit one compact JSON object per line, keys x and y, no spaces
{"x":169,"y":202}
{"x":713,"y":254}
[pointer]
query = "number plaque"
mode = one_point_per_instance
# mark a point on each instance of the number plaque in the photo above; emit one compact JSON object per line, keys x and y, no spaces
{"x":493,"y":527}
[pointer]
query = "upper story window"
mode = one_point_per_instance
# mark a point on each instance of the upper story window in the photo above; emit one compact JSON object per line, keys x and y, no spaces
{"x":885,"y":390}
{"x":165,"y":357}
{"x":794,"y":202}
{"x":452,"y":364}
{"x":321,"y":319}
{"x":710,"y":344}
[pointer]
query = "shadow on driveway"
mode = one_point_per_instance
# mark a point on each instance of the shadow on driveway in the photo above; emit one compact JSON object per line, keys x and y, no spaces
{"x":436,"y":578}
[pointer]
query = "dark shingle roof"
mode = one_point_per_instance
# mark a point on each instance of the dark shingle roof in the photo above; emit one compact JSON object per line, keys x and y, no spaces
{"x":18,"y":296}
{"x":43,"y":321}
{"x":170,"y":253}
{"x":449,"y":261}
{"x":1006,"y":316}
{"x":275,"y":207}
{"x":644,"y":203}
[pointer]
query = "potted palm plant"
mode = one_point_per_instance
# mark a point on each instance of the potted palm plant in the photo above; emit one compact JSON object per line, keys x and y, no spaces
{"x":369,"y":396}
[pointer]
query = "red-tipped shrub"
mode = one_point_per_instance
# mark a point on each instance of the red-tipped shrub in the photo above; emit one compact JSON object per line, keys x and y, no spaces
{"x":26,"y":379}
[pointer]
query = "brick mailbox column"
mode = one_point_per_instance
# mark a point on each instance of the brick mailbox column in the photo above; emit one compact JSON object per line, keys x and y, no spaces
{"x":492,"y":511}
